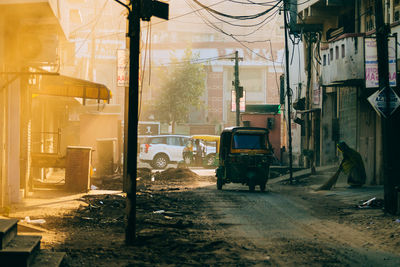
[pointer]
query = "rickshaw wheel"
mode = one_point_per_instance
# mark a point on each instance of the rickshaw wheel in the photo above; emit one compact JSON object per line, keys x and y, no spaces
{"x":252,"y":185}
{"x":219,"y":183}
{"x":262,"y":187}
{"x":210,"y":161}
{"x":187,"y":160}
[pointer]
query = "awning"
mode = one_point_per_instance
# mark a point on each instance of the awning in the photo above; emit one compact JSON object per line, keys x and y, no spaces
{"x":309,"y":110}
{"x":60,"y":85}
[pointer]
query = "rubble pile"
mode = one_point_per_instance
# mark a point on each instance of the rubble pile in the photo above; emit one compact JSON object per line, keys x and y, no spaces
{"x":98,"y":211}
{"x":177,"y":174}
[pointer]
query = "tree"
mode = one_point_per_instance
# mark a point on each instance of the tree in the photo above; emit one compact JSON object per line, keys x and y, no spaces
{"x":183,"y":83}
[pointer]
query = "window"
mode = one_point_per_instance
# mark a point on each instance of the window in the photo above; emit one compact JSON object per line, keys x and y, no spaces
{"x":337,"y":52}
{"x":331,"y":54}
{"x":369,"y":18}
{"x":396,"y":11}
{"x":248,"y":141}
{"x":183,"y":140}
{"x":158,"y":140}
{"x":173,"y":141}
{"x":324,"y":60}
{"x":343,"y":51}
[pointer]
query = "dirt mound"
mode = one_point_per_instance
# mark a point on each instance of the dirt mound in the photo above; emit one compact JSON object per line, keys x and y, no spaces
{"x":144,"y":173}
{"x":176,"y":174}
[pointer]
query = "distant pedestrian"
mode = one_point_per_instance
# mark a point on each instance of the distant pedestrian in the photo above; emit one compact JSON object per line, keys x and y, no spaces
{"x":199,"y":152}
{"x":352,"y":165}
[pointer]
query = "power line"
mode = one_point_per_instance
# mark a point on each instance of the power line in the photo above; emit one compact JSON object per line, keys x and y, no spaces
{"x":87,"y":36}
{"x":252,"y":3}
{"x":241,"y":25}
{"x":201,"y":60}
{"x":188,"y":13}
{"x":240,"y":17}
{"x":210,"y":24}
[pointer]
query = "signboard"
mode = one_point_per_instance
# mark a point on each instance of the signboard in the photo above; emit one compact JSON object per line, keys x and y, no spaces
{"x":123,"y":67}
{"x":378,"y":101}
{"x":371,"y":62}
{"x":242,"y":103}
{"x":148,"y":128}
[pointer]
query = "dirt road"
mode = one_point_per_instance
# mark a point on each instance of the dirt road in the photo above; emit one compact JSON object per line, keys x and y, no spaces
{"x":288,"y":232}
{"x":182,"y":219}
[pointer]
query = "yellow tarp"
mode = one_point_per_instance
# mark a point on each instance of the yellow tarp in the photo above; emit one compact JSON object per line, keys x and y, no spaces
{"x":59,"y":85}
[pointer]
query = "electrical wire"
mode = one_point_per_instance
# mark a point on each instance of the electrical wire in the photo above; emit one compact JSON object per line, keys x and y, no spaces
{"x":210,"y":24}
{"x":87,"y":36}
{"x":143,"y":69}
{"x":273,"y":64}
{"x":240,"y":17}
{"x":191,"y":12}
{"x":202,"y":60}
{"x":247,"y":25}
{"x":252,"y":3}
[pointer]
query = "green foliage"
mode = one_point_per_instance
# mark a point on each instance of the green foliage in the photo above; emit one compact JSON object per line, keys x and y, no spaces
{"x":182,"y":85}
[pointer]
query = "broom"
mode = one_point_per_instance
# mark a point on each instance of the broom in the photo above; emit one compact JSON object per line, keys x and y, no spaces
{"x":331,"y":182}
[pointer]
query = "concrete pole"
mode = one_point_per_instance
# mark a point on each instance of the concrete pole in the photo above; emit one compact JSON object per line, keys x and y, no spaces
{"x":237,"y":96}
{"x":382,"y":31}
{"x":288,"y":91}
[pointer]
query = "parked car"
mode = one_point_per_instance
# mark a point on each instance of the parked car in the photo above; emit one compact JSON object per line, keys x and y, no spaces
{"x":161,"y":150}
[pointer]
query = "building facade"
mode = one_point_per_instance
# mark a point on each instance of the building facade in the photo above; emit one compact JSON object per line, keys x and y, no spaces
{"x":39,"y":103}
{"x":334,"y":104}
{"x":260,"y":64}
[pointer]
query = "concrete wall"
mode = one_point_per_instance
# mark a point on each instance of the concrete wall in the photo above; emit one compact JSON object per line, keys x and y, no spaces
{"x":13,"y":133}
{"x":343,"y":60}
{"x":98,"y":126}
{"x":328,"y":145}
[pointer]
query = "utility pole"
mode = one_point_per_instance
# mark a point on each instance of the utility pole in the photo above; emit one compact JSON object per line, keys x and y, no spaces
{"x":238,"y":89}
{"x":307,"y":100}
{"x":133,"y":113}
{"x":382,"y":32}
{"x":137,"y":9}
{"x":288,"y":90}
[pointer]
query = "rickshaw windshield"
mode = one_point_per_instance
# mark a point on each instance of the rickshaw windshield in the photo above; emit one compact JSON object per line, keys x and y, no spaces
{"x":249,"y":141}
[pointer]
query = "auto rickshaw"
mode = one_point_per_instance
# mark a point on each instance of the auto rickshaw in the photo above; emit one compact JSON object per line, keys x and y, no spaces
{"x":202,"y":150}
{"x":245,"y":155}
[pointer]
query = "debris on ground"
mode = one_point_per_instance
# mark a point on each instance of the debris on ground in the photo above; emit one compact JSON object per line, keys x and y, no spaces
{"x":176,"y":174}
{"x":108,"y":182}
{"x":178,"y":228}
{"x":372,"y":203}
{"x":37,"y":221}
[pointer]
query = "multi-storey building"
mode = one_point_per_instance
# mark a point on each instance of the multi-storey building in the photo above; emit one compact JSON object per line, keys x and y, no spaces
{"x":261,"y":56}
{"x":333,"y":104}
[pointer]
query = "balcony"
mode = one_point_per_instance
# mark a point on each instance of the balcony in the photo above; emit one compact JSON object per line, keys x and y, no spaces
{"x":319,"y":11}
{"x":343,"y":59}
